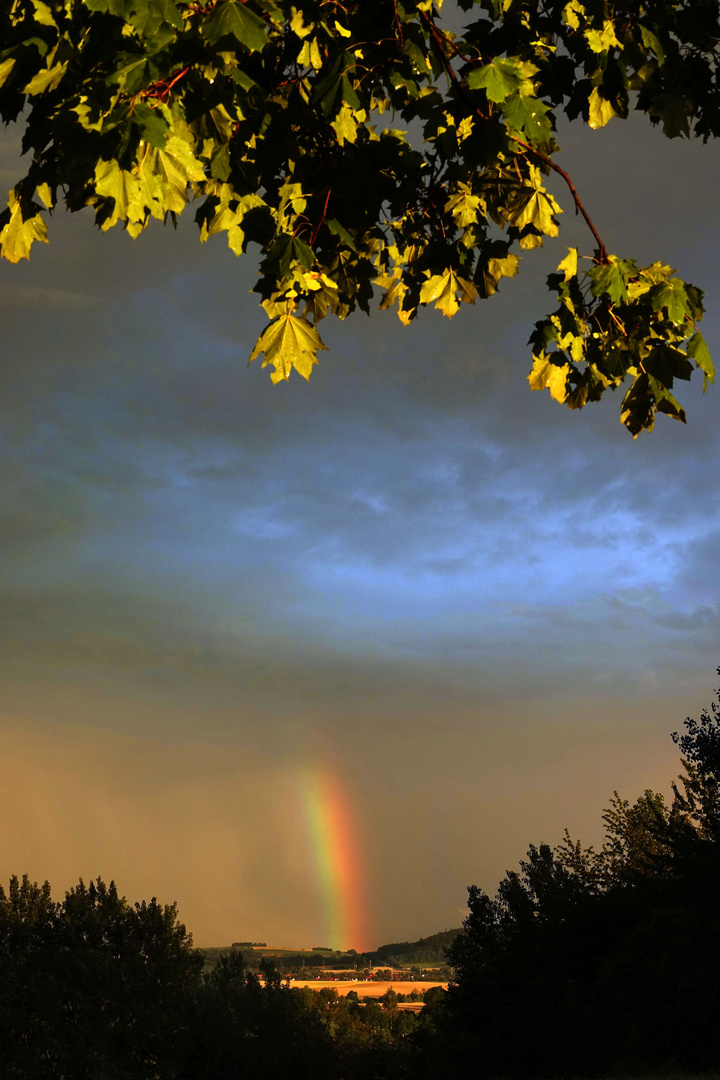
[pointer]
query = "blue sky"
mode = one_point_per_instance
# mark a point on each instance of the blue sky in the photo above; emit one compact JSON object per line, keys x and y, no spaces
{"x":485,"y":612}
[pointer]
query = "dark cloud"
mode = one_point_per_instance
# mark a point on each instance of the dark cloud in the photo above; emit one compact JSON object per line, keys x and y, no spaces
{"x":475,"y":602}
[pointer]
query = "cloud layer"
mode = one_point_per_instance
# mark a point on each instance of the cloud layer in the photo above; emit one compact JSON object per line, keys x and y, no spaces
{"x":484,"y":611}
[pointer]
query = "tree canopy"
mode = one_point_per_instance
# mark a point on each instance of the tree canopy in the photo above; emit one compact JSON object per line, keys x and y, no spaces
{"x":586,"y":961}
{"x":277,"y":120}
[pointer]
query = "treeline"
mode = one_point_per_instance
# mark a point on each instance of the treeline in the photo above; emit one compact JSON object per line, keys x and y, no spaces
{"x":95,"y":987}
{"x":587,"y":962}
{"x":428,"y":950}
{"x":584,"y":963}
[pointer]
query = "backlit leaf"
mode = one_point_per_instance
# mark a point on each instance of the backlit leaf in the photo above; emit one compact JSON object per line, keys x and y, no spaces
{"x":545,"y":375}
{"x":498,"y":79}
{"x":602,"y":40}
{"x":698,"y":350}
{"x":5,"y":68}
{"x":289,"y":342}
{"x":600,"y":110}
{"x":569,"y":264}
{"x":18,"y":234}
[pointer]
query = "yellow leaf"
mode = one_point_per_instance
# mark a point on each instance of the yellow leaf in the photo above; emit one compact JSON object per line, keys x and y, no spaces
{"x":571,"y":14}
{"x":569,"y":264}
{"x":546,"y":375}
{"x":129,"y":193}
{"x":297,"y":24}
{"x":47,"y":79}
{"x":463,"y":206}
{"x":315,"y":57}
{"x":507,"y":267}
{"x":538,"y":208}
{"x":5,"y":69}
{"x":289,"y":342}
{"x":43,"y":14}
{"x":602,"y":40}
{"x":315,"y":280}
{"x":441,"y":288}
{"x":18,"y":236}
{"x":395,"y":290}
{"x":45,"y":194}
{"x":344,"y":125}
{"x":468,"y":292}
{"x":600,"y":110}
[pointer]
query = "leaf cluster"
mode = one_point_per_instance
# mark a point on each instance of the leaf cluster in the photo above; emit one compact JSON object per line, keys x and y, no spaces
{"x":277,"y":121}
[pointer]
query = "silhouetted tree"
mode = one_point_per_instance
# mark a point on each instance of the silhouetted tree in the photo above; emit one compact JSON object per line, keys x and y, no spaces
{"x":588,"y":960}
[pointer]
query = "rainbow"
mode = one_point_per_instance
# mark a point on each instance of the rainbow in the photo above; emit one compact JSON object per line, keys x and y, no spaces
{"x":336,"y":851}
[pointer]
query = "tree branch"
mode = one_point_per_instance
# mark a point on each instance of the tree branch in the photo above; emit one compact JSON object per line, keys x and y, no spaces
{"x":579,"y":208}
{"x":441,"y":41}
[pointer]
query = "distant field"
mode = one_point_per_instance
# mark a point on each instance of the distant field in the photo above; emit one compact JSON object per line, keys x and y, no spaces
{"x":368,"y":989}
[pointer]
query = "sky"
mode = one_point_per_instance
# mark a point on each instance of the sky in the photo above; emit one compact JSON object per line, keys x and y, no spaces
{"x":468,"y":611}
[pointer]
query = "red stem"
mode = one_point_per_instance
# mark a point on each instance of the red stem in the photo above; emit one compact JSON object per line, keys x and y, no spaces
{"x":319,"y":225}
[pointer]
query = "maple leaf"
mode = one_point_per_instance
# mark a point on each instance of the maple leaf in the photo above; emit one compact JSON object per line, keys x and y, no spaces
{"x":290,"y":341}
{"x":19,"y":232}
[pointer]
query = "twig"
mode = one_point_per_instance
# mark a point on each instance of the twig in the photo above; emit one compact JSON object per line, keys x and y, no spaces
{"x":398,"y":25}
{"x":579,"y":208}
{"x":319,"y":225}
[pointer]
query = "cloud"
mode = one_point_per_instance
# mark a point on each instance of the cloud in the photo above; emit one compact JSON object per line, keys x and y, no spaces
{"x":38,"y":297}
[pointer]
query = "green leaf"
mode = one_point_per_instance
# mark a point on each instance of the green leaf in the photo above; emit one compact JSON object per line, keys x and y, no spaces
{"x":441,"y":288}
{"x":698,"y":350}
{"x":610,"y":279}
{"x":572,"y":12}
{"x":636,"y":411}
{"x":674,"y":111}
{"x":666,"y":364}
{"x":285,"y":250}
{"x":395,"y":290}
{"x":498,"y":79}
{"x":505,"y":267}
{"x":651,"y":42}
{"x":231,"y":17}
{"x":291,"y":341}
{"x":339,"y":230}
{"x":529,"y":116}
{"x":129,"y":194}
{"x":152,"y":124}
{"x":666,"y":403}
{"x":671,"y":295}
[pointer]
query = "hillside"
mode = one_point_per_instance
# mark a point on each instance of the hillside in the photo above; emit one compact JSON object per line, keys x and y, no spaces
{"x":428,"y":950}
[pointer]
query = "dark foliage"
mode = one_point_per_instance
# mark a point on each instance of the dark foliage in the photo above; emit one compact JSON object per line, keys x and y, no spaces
{"x":586,"y":962}
{"x":96,"y":988}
